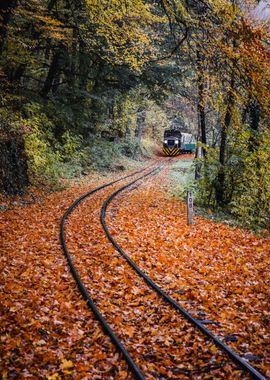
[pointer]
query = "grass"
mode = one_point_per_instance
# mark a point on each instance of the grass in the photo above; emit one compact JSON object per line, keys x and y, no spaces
{"x":182,"y":177}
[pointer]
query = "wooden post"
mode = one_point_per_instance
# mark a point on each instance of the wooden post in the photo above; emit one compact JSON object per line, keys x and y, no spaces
{"x":189,"y":207}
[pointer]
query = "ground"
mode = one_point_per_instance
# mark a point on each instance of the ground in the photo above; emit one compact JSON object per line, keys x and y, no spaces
{"x":218,"y":273}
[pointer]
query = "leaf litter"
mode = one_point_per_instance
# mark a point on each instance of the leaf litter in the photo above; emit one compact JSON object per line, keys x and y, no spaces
{"x":47,"y":330}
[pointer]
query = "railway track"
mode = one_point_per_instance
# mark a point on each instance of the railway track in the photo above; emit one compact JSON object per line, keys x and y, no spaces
{"x":138,"y":180}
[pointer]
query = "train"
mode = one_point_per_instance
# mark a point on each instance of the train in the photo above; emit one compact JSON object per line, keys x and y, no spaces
{"x":176,"y":142}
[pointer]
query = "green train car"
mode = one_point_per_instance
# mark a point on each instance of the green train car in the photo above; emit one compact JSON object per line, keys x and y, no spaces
{"x":188,"y":143}
{"x":176,"y":142}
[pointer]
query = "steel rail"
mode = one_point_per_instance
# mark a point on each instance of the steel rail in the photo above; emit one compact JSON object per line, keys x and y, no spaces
{"x":233,"y":355}
{"x":89,"y":302}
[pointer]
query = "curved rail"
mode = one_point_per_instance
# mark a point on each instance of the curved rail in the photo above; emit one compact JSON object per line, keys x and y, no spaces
{"x":233,"y":355}
{"x":107,"y":329}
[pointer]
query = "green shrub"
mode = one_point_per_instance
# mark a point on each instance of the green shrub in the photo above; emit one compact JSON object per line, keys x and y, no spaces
{"x":247,"y":177}
{"x":48,"y":159}
{"x":251,"y":201}
{"x":205,"y":189}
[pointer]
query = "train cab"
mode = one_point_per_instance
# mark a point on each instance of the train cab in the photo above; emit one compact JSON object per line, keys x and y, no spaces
{"x":171,"y":142}
{"x":176,"y":142}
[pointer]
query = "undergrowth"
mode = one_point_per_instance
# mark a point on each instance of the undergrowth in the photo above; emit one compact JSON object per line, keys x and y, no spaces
{"x":51,"y":161}
{"x":182,"y":175}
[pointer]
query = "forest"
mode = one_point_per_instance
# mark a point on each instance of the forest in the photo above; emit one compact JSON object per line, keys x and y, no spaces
{"x":83,"y":82}
{"x":120,"y":261}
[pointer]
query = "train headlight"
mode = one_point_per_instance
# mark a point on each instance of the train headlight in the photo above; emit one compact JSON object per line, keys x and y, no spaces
{"x":176,"y":141}
{"x":166,"y":141}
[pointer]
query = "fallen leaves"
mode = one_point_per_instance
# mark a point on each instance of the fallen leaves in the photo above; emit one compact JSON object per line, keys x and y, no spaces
{"x":219,"y":270}
{"x":45,"y":325}
{"x":216,"y":272}
{"x":152,"y":332}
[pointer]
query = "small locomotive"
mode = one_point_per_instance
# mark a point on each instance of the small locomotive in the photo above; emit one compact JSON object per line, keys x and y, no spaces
{"x":176,"y":142}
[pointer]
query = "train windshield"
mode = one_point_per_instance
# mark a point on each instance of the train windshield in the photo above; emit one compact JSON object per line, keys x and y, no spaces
{"x":172,"y":133}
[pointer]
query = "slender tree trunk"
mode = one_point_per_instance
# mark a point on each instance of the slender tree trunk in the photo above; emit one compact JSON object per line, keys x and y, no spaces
{"x":140,"y":124}
{"x":97,"y":105}
{"x":52,"y":74}
{"x":5,"y":15}
{"x":84,"y":66}
{"x":52,"y":4}
{"x":221,"y":177}
{"x":255,"y":114}
{"x":13,"y":166}
{"x":201,"y":101}
{"x":201,"y":112}
{"x":72,"y":58}
{"x":139,"y":129}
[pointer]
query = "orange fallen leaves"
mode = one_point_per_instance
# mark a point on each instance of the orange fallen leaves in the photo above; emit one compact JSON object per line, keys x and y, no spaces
{"x":46,"y":330}
{"x":211,"y":269}
{"x":222,"y":271}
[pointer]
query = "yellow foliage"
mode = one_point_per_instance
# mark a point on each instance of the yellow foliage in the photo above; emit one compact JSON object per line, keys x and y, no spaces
{"x":125,"y":28}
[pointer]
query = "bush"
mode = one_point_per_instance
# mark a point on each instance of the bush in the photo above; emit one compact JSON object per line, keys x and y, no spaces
{"x":251,"y":201}
{"x":48,"y":159}
{"x":247,"y":177}
{"x":205,"y":190}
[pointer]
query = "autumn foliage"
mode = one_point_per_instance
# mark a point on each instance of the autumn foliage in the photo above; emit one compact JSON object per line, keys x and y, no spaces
{"x":218,"y":273}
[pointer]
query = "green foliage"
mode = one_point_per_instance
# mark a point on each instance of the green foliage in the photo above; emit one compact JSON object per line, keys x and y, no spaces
{"x":251,"y":201}
{"x":48,"y":159}
{"x":209,"y":166}
{"x":247,"y":177}
{"x":102,"y":155}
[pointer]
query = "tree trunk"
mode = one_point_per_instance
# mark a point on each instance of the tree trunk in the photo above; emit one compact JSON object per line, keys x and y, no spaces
{"x":84,"y":66}
{"x":201,"y":114}
{"x":201,"y":101}
{"x":198,"y":152}
{"x":52,"y":74}
{"x":13,"y":166}
{"x":71,"y":56}
{"x":52,"y":4}
{"x":139,"y":129}
{"x":5,"y":15}
{"x":221,"y":177}
{"x":255,"y":114}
